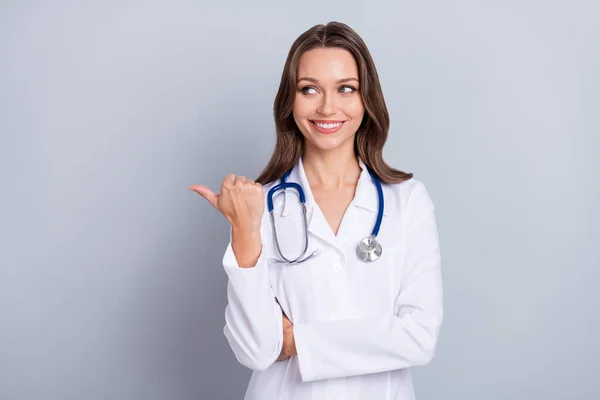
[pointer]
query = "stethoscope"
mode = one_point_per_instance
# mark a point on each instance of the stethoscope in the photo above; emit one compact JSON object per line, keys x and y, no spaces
{"x":368,"y":249}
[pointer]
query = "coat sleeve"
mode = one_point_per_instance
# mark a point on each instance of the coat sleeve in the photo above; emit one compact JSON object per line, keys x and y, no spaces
{"x":253,"y":318}
{"x":408,"y":337}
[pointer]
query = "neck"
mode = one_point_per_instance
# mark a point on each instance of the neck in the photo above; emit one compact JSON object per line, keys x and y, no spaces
{"x":332,"y":169}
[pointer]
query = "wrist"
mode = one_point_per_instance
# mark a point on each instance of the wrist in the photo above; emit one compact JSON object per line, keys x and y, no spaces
{"x":247,"y":246}
{"x":290,"y":349}
{"x":245,"y":231}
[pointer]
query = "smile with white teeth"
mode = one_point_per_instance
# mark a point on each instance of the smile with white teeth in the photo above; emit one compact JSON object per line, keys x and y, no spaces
{"x":328,"y":126}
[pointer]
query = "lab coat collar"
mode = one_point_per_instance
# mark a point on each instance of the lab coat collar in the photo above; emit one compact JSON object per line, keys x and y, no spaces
{"x":365,"y":197}
{"x":366,"y":192}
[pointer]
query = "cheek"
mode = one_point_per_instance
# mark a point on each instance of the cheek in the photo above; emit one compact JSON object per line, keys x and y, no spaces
{"x":301,"y":108}
{"x":356,"y":109}
{"x":300,"y":111}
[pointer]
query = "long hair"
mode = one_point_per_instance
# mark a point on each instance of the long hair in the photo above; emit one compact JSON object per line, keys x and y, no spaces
{"x":373,"y":130}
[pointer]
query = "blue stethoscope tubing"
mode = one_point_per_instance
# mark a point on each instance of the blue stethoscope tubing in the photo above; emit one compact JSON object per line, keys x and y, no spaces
{"x":367,"y":250}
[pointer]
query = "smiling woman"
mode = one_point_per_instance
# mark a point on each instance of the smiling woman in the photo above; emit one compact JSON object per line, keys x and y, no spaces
{"x":329,"y":79}
{"x":328,"y":104}
{"x":317,"y":307}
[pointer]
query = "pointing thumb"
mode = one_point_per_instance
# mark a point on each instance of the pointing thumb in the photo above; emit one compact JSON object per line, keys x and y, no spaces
{"x":206,"y":193}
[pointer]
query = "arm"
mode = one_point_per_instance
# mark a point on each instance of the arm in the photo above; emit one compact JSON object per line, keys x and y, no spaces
{"x":332,"y":349}
{"x":253,"y":318}
{"x":253,"y":325}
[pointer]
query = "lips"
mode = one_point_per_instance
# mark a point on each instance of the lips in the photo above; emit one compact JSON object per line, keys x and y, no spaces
{"x":331,"y":126}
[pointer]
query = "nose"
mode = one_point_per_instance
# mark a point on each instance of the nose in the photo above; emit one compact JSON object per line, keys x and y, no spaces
{"x":328,"y":105}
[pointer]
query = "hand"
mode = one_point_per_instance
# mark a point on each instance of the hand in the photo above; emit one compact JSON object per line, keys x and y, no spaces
{"x":241,"y":201}
{"x":289,"y":345}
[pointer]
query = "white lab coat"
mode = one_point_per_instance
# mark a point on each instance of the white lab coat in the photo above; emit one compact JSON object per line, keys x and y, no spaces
{"x":358,"y":326}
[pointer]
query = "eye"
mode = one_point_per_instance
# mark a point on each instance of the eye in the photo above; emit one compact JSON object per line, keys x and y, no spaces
{"x":306,"y":88}
{"x":352,"y":89}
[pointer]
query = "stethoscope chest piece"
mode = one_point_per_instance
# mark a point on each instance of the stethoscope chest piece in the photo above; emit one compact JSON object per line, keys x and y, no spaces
{"x":368,"y":249}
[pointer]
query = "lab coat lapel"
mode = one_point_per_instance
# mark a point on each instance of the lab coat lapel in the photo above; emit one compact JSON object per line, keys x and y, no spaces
{"x":317,"y":224}
{"x":361,"y":215}
{"x":353,"y":223}
{"x":366,"y":196}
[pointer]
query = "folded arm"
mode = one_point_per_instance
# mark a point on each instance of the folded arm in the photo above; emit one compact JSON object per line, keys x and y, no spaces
{"x":253,"y":318}
{"x":408,"y":337}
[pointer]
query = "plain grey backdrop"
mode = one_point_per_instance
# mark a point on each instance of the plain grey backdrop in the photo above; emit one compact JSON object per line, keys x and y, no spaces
{"x":111,"y":284}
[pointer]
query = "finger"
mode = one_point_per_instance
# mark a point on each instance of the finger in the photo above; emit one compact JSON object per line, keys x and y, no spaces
{"x":240,"y":179}
{"x":230,"y":178}
{"x":206,"y":193}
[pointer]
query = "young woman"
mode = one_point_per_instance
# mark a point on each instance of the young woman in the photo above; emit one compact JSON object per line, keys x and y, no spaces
{"x":340,"y":302}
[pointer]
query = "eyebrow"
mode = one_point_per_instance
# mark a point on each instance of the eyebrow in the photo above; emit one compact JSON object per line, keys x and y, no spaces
{"x":316,"y":81}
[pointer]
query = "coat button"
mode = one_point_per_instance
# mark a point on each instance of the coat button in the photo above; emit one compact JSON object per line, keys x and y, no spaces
{"x":336,"y":266}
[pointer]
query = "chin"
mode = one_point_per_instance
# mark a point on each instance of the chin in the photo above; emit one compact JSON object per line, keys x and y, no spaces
{"x":326,"y":144}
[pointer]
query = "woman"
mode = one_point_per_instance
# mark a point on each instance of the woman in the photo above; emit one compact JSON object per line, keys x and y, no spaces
{"x":333,"y":326}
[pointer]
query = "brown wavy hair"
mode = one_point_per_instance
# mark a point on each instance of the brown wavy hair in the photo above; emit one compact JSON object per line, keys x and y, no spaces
{"x":373,"y":131}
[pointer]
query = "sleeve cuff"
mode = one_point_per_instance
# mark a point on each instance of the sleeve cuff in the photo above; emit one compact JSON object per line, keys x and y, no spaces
{"x":303,"y":353}
{"x":230,"y":262}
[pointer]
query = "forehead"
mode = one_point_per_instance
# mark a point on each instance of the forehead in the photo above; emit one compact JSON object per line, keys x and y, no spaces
{"x":327,"y":64}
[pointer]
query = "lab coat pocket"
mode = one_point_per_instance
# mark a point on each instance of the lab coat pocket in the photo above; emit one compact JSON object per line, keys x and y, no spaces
{"x":373,"y":285}
{"x":302,"y":286}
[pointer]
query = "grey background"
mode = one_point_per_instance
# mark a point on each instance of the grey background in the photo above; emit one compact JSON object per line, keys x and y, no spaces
{"x":111,"y":285}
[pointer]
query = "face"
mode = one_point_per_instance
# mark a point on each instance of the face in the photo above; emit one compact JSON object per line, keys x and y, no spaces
{"x":328,"y":107}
